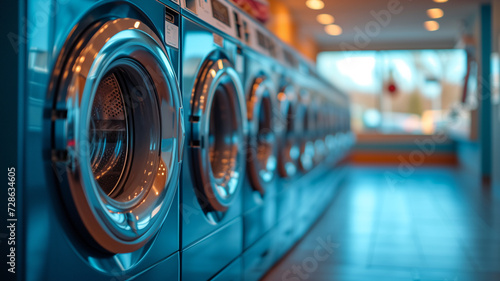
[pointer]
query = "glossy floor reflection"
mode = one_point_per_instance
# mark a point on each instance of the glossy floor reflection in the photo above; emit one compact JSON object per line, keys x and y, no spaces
{"x":429,"y":224}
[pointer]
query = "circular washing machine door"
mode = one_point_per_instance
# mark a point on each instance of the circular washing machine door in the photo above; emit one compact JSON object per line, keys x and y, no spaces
{"x":262,"y":146}
{"x":329,"y":128}
{"x":305,"y":117}
{"x":117,"y":126}
{"x":289,"y":150}
{"x":336,"y":128}
{"x":317,"y":124}
{"x":218,"y":132}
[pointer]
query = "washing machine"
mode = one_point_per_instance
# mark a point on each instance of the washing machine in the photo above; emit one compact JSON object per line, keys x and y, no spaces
{"x":304,"y":119}
{"x":289,"y":150}
{"x":102,"y":139}
{"x":215,"y":160}
{"x":259,"y":189}
{"x":316,"y":193}
{"x":304,"y":186}
{"x":330,"y":140}
{"x":345,"y":136}
{"x":340,"y":128}
{"x":336,"y":128}
{"x":323,"y":129}
{"x":315,"y":129}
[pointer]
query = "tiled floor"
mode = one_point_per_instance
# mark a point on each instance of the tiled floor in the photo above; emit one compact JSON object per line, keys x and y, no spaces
{"x":391,"y":224}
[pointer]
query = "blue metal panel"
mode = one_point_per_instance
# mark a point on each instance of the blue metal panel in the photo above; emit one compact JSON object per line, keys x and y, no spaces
{"x":485,"y":90}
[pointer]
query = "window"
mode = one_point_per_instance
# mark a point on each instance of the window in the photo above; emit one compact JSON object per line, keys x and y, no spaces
{"x":397,"y":92}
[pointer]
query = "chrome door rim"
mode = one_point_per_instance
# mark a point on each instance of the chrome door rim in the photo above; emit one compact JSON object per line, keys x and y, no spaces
{"x":261,"y":171}
{"x":289,"y":150}
{"x":217,"y":71}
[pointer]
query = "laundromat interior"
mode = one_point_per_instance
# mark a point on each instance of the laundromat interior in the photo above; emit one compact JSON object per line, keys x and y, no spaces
{"x":250,"y":140}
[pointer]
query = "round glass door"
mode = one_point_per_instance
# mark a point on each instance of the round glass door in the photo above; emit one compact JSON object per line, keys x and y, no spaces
{"x":262,"y":162}
{"x":306,"y":159}
{"x":305,"y":117}
{"x":122,"y":133}
{"x":289,"y":150}
{"x":218,"y":134}
{"x":317,"y":128}
{"x":329,"y":128}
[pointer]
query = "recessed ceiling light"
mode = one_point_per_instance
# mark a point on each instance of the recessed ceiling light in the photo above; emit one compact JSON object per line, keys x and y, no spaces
{"x":431,"y":25}
{"x":315,"y":4}
{"x":435,"y":13}
{"x":440,"y":1}
{"x":325,"y":19}
{"x":333,"y":29}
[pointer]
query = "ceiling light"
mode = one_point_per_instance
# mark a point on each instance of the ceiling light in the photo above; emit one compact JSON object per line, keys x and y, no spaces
{"x":333,"y":29}
{"x":325,"y":19}
{"x":435,"y":13}
{"x":431,"y":25}
{"x":440,"y":1}
{"x":315,"y":4}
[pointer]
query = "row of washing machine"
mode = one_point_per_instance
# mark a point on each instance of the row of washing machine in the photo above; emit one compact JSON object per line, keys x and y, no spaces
{"x":167,"y":141}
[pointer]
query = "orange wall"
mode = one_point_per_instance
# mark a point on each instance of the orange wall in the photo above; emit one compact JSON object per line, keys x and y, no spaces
{"x":283,"y":24}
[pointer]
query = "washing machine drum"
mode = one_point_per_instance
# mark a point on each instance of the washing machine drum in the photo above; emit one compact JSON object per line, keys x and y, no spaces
{"x":218,"y":132}
{"x":117,"y":127}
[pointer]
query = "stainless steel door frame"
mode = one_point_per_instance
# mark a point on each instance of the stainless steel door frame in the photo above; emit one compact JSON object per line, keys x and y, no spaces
{"x":261,"y":104}
{"x":218,"y":177}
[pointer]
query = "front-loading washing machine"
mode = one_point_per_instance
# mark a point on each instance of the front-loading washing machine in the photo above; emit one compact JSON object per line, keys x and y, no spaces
{"x":289,"y":149}
{"x":329,"y":119}
{"x":302,"y":186}
{"x":304,"y":119}
{"x":344,"y":135}
{"x":102,"y":125}
{"x":318,"y":129}
{"x":259,"y":190}
{"x":216,"y":129}
{"x":340,"y":128}
{"x":337,"y":128}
